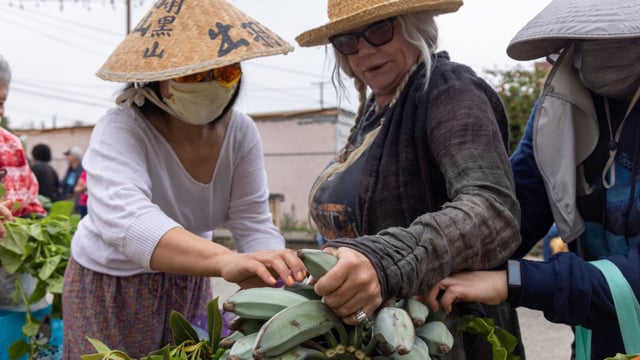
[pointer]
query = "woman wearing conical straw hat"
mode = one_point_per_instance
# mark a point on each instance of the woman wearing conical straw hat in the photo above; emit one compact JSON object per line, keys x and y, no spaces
{"x":423,"y":186}
{"x":169,"y":164}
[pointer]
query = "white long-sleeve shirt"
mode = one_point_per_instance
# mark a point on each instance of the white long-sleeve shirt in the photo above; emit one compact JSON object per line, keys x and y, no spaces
{"x":138,"y":190}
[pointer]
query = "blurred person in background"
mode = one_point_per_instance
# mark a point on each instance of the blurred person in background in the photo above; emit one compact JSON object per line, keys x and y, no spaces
{"x":48,"y":179}
{"x":74,"y":167}
{"x":83,"y":195}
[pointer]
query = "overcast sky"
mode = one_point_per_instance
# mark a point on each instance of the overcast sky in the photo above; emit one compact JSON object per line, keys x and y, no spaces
{"x":54,"y":53}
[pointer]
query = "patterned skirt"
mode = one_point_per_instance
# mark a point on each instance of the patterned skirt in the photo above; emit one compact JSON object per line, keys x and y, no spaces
{"x":129,"y":313}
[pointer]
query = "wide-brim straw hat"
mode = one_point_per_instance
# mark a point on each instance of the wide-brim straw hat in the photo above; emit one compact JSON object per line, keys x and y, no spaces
{"x":185,"y":37}
{"x":349,"y":14}
{"x":562,"y":21}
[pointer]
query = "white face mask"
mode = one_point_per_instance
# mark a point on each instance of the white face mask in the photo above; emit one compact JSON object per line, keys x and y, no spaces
{"x":609,"y":68}
{"x":198,"y":103}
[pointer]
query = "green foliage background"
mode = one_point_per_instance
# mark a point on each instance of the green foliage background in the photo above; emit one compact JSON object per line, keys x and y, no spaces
{"x":519,"y":88}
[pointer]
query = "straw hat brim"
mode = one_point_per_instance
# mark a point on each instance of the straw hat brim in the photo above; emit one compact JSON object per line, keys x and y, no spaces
{"x":320,"y":35}
{"x":202,"y":35}
{"x":565,"y":20}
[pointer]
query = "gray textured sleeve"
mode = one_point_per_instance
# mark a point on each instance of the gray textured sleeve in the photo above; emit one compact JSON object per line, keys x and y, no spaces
{"x":478,"y":228}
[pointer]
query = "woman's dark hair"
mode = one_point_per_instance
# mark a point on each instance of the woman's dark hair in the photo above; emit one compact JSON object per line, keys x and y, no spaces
{"x":41,"y":152}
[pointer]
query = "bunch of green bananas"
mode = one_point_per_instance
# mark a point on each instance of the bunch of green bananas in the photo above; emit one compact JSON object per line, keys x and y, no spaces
{"x":294,"y":323}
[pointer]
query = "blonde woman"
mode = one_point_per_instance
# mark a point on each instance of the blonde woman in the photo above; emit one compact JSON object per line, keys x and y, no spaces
{"x":423,"y":187}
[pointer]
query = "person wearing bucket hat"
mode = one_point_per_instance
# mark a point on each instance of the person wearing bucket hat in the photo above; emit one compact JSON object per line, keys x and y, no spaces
{"x":576,"y":166}
{"x":169,"y":164}
{"x":424,"y":172}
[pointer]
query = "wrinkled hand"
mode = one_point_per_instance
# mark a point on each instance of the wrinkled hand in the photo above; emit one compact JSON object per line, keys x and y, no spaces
{"x":259,"y":269}
{"x":352,"y":284}
{"x":487,"y":287}
{"x":5,"y":215}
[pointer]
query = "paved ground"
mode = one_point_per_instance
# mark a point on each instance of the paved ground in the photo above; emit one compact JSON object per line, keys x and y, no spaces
{"x":542,"y":340}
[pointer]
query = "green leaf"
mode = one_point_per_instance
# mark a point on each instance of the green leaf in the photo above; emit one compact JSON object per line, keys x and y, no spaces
{"x":620,"y":356}
{"x":38,"y":293}
{"x":99,"y":345}
{"x":502,"y":342}
{"x":49,"y":267}
{"x":31,"y":327}
{"x":182,"y":329}
{"x":55,"y":285}
{"x":18,"y":349}
{"x":11,"y":261}
{"x":16,"y":238}
{"x":214,"y":324}
{"x":63,"y":207}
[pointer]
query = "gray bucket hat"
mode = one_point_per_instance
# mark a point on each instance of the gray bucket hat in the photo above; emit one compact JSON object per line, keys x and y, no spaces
{"x":564,"y":20}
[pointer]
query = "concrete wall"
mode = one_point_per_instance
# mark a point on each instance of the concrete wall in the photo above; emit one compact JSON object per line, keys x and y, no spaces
{"x":296,"y":150}
{"x":59,"y":140}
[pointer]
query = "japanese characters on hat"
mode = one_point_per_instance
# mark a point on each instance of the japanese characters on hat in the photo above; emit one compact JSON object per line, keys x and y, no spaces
{"x":562,"y":21}
{"x":349,"y":14}
{"x":181,"y":37}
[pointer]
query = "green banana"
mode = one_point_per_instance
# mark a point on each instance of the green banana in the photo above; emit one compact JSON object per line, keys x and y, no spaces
{"x":295,"y":325}
{"x":317,"y":261}
{"x":437,"y":337}
{"x":227,"y":342}
{"x":417,"y":310}
{"x":261,"y":303}
{"x":304,"y":290}
{"x":419,"y":351}
{"x":241,"y":349}
{"x":394,"y":330}
{"x":299,"y":353}
{"x":245,"y":325}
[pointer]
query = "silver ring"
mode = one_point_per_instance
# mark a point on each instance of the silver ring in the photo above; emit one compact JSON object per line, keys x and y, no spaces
{"x":360,"y":316}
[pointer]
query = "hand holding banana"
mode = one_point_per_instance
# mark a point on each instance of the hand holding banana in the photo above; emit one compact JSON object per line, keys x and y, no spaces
{"x":351,"y":285}
{"x":260,"y":268}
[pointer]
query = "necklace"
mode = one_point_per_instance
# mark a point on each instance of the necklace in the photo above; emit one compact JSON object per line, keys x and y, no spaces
{"x":610,"y":167}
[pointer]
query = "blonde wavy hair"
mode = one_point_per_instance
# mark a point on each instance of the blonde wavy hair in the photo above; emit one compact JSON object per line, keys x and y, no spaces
{"x":421,"y":31}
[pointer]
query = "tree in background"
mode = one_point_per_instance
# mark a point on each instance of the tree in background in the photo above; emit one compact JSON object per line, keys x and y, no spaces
{"x":519,"y":88}
{"x":4,"y":122}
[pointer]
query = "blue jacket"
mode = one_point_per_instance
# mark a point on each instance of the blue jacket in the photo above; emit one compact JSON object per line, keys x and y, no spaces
{"x":567,"y":289}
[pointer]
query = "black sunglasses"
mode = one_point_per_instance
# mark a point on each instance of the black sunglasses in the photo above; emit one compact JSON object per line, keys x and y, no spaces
{"x":376,"y":34}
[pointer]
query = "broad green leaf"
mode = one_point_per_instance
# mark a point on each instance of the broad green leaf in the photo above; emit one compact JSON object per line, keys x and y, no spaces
{"x":38,"y":293}
{"x":63,"y":207}
{"x":16,"y":238}
{"x":31,"y":328}
{"x":55,"y":285}
{"x":502,"y":342}
{"x":92,"y":357}
{"x":99,"y":345}
{"x":50,"y":265}
{"x":182,"y":329}
{"x":18,"y":349}
{"x":11,"y":261}
{"x":214,"y":323}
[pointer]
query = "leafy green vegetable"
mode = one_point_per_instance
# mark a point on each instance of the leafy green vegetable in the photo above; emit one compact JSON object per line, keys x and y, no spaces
{"x":187,"y":345}
{"x":502,"y":342}
{"x":40,"y":247}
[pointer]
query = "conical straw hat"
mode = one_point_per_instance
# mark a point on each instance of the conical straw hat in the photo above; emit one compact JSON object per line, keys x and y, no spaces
{"x":350,"y":14}
{"x":177,"y":38}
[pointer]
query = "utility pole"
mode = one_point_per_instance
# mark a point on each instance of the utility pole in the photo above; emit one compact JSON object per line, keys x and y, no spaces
{"x":128,"y":24}
{"x":321,"y":85}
